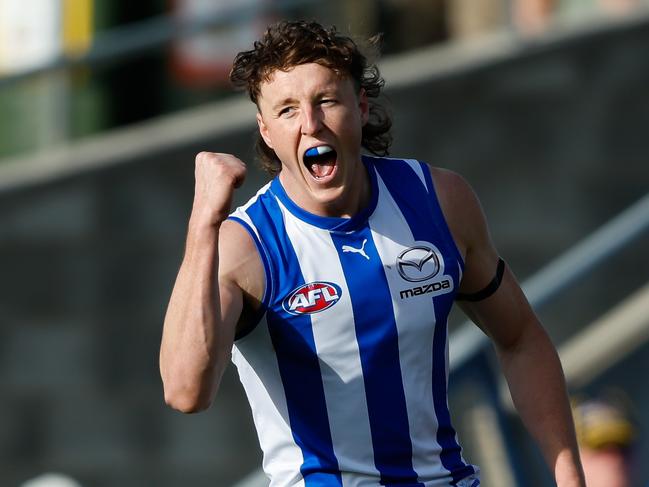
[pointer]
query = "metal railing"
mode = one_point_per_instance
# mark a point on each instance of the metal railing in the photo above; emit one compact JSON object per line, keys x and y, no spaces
{"x":562,"y":272}
{"x":470,"y":353}
{"x":606,"y":341}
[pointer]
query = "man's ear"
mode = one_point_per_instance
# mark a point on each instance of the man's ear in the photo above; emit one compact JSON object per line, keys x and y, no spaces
{"x":364,"y":106}
{"x":263,"y":130}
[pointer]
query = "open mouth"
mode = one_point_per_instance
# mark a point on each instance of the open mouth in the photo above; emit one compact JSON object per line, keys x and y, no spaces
{"x":320,"y":161}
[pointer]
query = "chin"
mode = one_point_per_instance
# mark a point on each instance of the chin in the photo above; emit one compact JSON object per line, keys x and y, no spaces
{"x":330,"y":196}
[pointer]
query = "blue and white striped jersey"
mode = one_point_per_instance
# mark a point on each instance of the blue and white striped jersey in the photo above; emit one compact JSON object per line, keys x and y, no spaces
{"x":347,"y":374}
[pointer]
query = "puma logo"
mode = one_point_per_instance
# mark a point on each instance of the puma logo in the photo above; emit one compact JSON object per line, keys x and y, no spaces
{"x":349,"y":248}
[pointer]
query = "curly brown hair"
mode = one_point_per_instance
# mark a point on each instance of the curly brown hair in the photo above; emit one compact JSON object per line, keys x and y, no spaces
{"x":287,"y":44}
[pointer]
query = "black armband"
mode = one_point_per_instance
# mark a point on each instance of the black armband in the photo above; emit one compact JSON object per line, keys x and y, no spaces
{"x":488,"y":290}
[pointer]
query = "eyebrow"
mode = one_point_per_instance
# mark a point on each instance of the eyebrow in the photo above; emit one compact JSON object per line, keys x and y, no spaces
{"x":325,"y":92}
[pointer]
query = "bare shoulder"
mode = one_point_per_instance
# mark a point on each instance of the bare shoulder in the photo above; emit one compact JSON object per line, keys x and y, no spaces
{"x":239,"y":260}
{"x":461,"y":207}
{"x":455,"y":194}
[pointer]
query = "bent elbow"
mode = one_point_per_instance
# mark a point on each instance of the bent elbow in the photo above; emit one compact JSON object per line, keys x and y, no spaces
{"x":190,"y":392}
{"x":187,"y":400}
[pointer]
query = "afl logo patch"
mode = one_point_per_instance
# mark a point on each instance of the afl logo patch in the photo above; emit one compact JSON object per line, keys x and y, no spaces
{"x":312,"y":297}
{"x":418,"y":263}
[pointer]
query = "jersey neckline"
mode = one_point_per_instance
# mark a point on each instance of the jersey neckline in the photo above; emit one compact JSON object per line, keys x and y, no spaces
{"x":334,"y":224}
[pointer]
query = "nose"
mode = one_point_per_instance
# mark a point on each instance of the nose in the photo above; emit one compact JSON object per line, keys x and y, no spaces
{"x":311,"y":120}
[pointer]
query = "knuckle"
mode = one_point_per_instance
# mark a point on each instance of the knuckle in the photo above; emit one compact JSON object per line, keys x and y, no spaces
{"x":205,"y":157}
{"x":221,"y":166}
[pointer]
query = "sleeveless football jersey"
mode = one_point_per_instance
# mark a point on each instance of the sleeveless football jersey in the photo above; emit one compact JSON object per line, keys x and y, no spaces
{"x":347,"y":374}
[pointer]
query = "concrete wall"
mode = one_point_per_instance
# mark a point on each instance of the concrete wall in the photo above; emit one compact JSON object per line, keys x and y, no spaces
{"x":554,"y":141}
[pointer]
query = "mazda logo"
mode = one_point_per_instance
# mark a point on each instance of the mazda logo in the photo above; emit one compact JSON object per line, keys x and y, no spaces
{"x":417,"y":264}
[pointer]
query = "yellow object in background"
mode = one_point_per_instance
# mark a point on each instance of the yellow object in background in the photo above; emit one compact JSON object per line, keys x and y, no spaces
{"x":77,"y":26}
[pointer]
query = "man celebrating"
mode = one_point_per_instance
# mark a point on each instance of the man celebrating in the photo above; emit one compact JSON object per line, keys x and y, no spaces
{"x":330,"y":289}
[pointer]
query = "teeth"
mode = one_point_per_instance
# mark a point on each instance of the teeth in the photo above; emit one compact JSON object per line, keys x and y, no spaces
{"x":318,"y":151}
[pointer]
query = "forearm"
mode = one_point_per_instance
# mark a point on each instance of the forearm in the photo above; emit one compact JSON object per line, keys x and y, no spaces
{"x":537,"y":386}
{"x":191,"y":358}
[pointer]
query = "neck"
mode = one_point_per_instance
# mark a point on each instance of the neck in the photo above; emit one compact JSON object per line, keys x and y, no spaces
{"x":351,"y":202}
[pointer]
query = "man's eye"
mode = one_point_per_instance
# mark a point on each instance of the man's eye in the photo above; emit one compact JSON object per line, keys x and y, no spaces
{"x":327,"y":101}
{"x":286,"y":111}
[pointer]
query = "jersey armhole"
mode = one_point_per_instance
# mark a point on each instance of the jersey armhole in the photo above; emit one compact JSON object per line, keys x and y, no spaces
{"x":268,"y":287}
{"x":437,"y":210}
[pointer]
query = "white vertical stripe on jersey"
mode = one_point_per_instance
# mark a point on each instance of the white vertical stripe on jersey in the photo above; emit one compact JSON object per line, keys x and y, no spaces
{"x":335,"y":340}
{"x":270,"y":414}
{"x":391,"y":236}
{"x":417,"y":167}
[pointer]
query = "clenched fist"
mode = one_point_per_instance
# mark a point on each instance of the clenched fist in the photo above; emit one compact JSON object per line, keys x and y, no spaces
{"x":217,"y":176}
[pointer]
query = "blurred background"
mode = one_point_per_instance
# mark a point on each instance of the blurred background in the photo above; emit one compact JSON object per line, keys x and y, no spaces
{"x":543,"y":105}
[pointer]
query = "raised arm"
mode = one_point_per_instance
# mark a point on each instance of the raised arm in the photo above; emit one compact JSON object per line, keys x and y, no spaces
{"x":207,"y":299}
{"x":527,"y":356}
